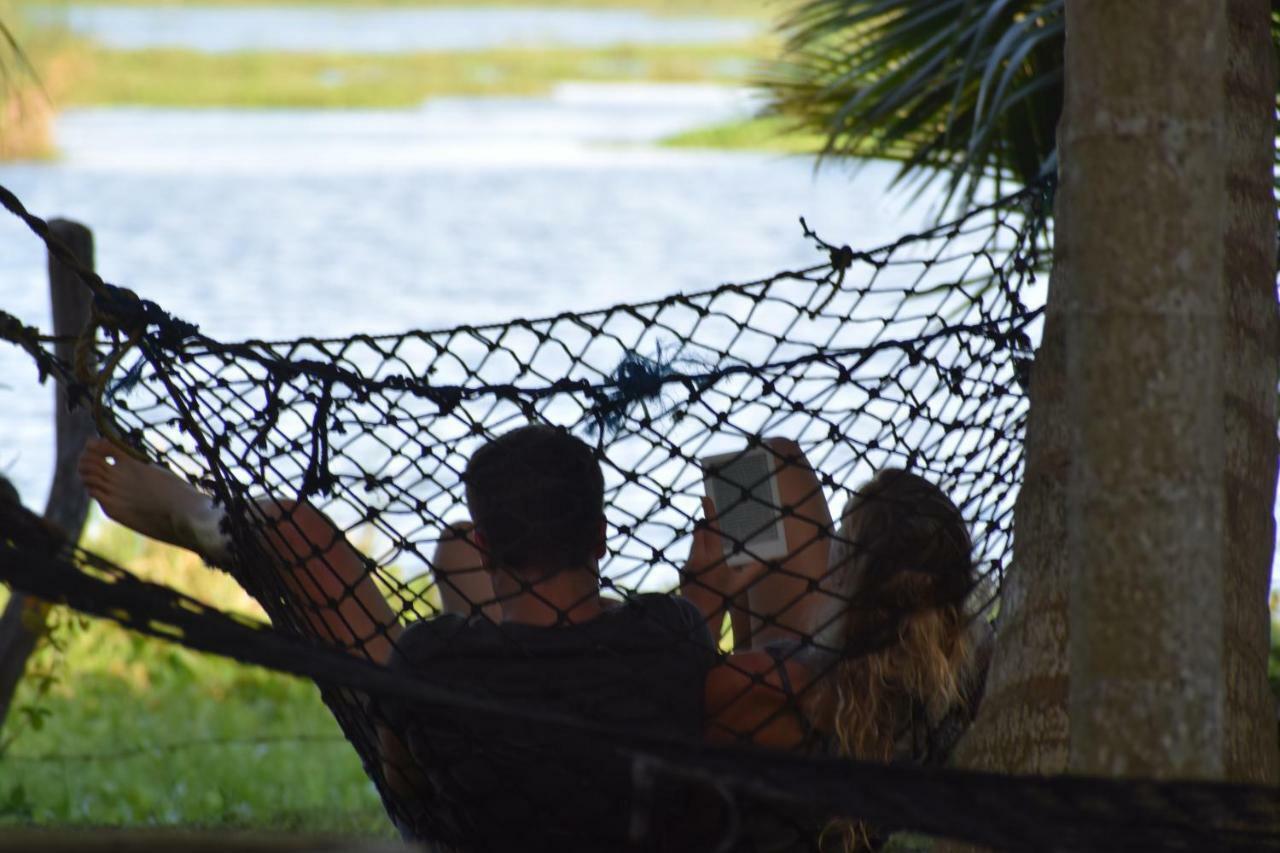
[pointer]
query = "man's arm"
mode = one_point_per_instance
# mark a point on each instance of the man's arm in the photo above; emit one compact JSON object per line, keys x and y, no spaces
{"x":326,"y":578}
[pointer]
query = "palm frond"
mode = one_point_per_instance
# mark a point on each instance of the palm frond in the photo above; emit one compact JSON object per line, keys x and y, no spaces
{"x":971,"y":89}
{"x":962,"y":89}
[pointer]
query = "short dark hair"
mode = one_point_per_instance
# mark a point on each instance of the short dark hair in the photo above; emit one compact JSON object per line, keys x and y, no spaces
{"x":536,"y":494}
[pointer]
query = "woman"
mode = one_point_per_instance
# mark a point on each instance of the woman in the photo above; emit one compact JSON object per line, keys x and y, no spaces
{"x":893,"y":668}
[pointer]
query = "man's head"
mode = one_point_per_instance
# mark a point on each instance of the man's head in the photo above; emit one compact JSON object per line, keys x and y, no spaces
{"x":536,"y":496}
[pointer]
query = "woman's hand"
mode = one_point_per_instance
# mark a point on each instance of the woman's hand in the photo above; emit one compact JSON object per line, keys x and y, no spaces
{"x":707,"y":579}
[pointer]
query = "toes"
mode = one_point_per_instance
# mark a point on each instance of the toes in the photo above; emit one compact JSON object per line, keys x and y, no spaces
{"x":95,"y":479}
{"x":97,"y":491}
{"x":98,"y":446}
{"x":95,"y":469}
{"x":95,"y":453}
{"x":89,"y":460}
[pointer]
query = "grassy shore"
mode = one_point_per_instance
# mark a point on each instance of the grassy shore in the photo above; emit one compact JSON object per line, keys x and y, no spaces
{"x":766,"y":133}
{"x":760,"y":9}
{"x":75,"y":72}
{"x":116,"y":729}
{"x":255,"y":79}
{"x":35,"y":65}
{"x":112,"y":728}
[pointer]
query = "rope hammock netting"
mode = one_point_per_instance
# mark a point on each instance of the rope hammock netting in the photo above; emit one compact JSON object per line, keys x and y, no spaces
{"x":845,"y":418}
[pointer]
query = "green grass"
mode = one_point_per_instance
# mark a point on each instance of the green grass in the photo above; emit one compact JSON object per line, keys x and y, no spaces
{"x":188,"y":78}
{"x":116,"y":729}
{"x":764,"y":9}
{"x":765,"y":133}
{"x":122,"y":730}
{"x":89,"y":75}
{"x":33,"y":65}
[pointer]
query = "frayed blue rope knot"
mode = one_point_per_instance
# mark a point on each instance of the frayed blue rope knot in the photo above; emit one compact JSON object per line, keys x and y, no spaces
{"x":123,"y":385}
{"x":639,"y":380}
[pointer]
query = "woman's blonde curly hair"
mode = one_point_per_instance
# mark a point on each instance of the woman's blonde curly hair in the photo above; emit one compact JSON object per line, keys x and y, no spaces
{"x":902,"y":564}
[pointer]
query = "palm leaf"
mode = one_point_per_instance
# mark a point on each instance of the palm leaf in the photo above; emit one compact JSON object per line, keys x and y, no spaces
{"x":962,"y":89}
{"x":970,"y":89}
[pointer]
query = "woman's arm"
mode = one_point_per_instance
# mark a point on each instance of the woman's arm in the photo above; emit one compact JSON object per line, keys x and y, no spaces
{"x":707,"y":580}
{"x":785,"y":605}
{"x":753,"y":697}
{"x":782,"y":602}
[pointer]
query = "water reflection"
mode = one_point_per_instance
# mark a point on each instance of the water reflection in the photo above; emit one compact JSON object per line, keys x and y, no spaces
{"x":280,"y":224}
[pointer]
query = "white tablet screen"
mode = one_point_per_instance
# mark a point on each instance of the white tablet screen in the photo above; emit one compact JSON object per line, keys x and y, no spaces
{"x":744,"y":488}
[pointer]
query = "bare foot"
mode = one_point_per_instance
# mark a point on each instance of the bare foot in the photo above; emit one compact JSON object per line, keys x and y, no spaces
{"x":146,"y":498}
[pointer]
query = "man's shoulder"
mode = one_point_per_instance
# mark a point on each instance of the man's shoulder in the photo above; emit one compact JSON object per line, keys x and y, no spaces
{"x":664,"y":608}
{"x":666,"y":617}
{"x":423,"y":637}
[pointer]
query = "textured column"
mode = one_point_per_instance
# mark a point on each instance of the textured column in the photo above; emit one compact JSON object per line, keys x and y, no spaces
{"x":1251,"y":369}
{"x":1145,"y":181}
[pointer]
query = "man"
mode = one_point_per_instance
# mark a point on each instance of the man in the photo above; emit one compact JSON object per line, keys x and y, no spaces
{"x":493,"y":780}
{"x":536,"y":497}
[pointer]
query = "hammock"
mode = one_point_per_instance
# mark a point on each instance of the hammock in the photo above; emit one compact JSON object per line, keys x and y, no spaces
{"x":913,"y":355}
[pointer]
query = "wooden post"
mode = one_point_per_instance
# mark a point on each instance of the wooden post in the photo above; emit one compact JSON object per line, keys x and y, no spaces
{"x":23,"y":620}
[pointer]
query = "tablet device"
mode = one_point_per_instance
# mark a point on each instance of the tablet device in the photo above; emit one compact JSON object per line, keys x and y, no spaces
{"x":744,"y":488}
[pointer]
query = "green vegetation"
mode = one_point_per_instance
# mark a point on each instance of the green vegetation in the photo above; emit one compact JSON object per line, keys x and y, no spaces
{"x":34,"y":65}
{"x":958,"y":88}
{"x":189,"y":78}
{"x":776,"y":134}
{"x":734,"y":8}
{"x":114,"y":729}
{"x":1273,"y":662}
{"x":78,"y":73}
{"x":150,"y":733}
{"x":766,"y":133}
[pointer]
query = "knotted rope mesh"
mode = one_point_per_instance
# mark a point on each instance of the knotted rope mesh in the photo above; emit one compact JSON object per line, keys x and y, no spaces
{"x":907,"y":355}
{"x":913,"y":355}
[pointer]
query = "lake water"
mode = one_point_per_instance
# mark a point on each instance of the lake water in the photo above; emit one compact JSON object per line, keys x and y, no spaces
{"x":221,"y":29}
{"x":281,"y":224}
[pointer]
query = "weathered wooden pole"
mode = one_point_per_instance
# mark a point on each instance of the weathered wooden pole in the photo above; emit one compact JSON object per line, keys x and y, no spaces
{"x":23,"y":620}
{"x":1134,"y":629}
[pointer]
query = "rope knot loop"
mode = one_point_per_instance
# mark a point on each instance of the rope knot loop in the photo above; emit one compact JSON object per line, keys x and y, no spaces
{"x":842,"y":258}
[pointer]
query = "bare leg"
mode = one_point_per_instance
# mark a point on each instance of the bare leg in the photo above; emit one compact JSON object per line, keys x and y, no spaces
{"x":782,"y":605}
{"x":465,"y":586}
{"x":325,"y":576}
{"x":329,"y":579}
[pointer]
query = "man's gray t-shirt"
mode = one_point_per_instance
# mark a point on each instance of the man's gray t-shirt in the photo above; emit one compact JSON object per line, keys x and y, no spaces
{"x":504,"y":782}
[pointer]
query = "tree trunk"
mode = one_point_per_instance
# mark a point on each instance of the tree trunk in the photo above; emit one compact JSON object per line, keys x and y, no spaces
{"x":1251,"y":369}
{"x":1145,"y":181}
{"x":1144,"y":535}
{"x":1022,"y":725}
